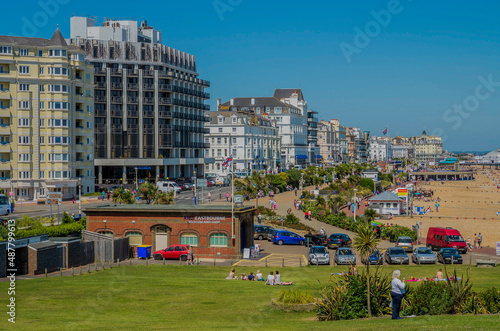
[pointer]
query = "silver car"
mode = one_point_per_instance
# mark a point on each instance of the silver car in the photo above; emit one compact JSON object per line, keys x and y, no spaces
{"x":344,"y":255}
{"x":423,"y":255}
{"x":405,"y":243}
{"x":319,"y":255}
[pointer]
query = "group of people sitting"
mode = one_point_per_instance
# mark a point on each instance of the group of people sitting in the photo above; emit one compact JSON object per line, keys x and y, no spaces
{"x":272,"y":279}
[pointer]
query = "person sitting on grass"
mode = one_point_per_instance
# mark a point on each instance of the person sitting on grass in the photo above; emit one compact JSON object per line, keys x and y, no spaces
{"x":251,"y":276}
{"x":439,"y":275}
{"x":259,"y":277}
{"x":231,"y":275}
{"x":270,"y":279}
{"x":277,"y":280}
{"x":244,"y":276}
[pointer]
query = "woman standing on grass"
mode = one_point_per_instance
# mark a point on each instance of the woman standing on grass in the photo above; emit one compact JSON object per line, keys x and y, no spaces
{"x":397,"y":292}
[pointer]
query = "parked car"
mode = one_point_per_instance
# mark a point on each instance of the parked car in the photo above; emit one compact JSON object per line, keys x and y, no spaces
{"x":168,"y":186}
{"x":187,"y":186}
{"x":338,"y":240}
{"x":374,"y":258}
{"x":319,"y":255}
{"x":396,"y":255}
{"x":447,"y":255}
{"x":210,"y":182}
{"x":282,"y":237}
{"x":172,"y":252}
{"x":4,"y":205}
{"x":423,"y":255}
{"x":315,"y":239}
{"x":405,"y":243}
{"x":222,"y":181}
{"x":438,"y":238}
{"x":344,"y":255}
{"x":271,"y":234}
{"x":261,"y":232}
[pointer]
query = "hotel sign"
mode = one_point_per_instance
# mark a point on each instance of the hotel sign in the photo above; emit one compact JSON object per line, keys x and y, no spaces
{"x":204,"y":219}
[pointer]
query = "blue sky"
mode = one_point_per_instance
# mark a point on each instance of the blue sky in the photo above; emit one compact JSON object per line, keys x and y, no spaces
{"x":417,"y":65}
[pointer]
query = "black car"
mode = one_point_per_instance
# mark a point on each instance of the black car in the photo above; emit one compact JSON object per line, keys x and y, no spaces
{"x":338,"y":240}
{"x":396,"y":255}
{"x":449,"y":255}
{"x":315,"y":240}
{"x":262,"y":232}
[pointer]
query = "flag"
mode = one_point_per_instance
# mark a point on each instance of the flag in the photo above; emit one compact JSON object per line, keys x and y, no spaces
{"x":226,"y":163}
{"x":385,"y":131}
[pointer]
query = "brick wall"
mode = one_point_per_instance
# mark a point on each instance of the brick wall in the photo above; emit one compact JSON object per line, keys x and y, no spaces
{"x":178,"y":224}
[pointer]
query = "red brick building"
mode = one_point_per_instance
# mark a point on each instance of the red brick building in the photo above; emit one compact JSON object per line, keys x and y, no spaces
{"x":208,"y":228}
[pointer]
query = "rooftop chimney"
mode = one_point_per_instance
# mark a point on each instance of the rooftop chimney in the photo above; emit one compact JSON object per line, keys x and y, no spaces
{"x":231,"y":102}
{"x":218,"y":104}
{"x":252,"y":101}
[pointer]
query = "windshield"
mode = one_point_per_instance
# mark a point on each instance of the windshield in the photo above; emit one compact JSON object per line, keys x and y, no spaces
{"x":455,"y":238}
{"x":345,"y":252}
{"x":318,"y":250}
{"x":404,"y":240}
{"x":3,"y":200}
{"x":397,"y":252}
{"x":449,"y":251}
{"x":336,"y":236}
{"x":424,"y":251}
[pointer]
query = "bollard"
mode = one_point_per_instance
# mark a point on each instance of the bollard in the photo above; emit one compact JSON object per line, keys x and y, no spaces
{"x":283,"y":263}
{"x":109,"y":264}
{"x":147,"y":261}
{"x":198,"y":261}
{"x":118,"y":263}
{"x":470,"y":259}
{"x":60,"y":271}
{"x":452,"y":260}
{"x":95,"y":264}
{"x":214,"y":262}
{"x":130,"y":261}
{"x":163,"y":260}
{"x":88,"y":268}
{"x":103,"y":266}
{"x":72,"y":271}
{"x":80,"y":269}
{"x":180,"y":261}
{"x":45,"y":272}
{"x":266,"y":262}
{"x":300,"y":262}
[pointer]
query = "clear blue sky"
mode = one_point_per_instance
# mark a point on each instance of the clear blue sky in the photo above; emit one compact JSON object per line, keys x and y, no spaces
{"x":414,"y":69}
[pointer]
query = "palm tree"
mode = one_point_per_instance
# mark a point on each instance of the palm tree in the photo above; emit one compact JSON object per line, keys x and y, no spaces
{"x":320,"y":201}
{"x":370,"y":215}
{"x":148,"y":192}
{"x":122,"y":196}
{"x":164,"y":198}
{"x":335,"y":202}
{"x":364,"y":242}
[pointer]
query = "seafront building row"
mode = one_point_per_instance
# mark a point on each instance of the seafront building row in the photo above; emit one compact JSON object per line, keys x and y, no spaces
{"x":112,"y":103}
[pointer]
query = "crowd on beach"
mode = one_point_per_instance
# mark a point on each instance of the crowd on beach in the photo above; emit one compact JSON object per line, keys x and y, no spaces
{"x":272,"y":278}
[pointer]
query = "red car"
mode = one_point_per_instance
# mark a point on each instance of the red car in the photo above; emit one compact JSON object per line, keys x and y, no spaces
{"x":172,"y":252}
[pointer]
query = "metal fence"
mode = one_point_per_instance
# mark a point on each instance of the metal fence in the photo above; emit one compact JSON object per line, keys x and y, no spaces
{"x":107,"y":248}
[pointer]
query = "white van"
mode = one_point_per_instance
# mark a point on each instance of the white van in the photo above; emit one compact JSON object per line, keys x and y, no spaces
{"x":168,"y":187}
{"x":298,"y":167}
{"x":4,"y":205}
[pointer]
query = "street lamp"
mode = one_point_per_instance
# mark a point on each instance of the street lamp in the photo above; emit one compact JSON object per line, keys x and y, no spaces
{"x":79,"y":197}
{"x":194,"y":187}
{"x":354,"y":208}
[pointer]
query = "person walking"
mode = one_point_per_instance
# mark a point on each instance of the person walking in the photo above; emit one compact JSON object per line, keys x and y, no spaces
{"x":479,"y":240}
{"x":274,"y":205}
{"x":475,"y":240}
{"x":397,"y":292}
{"x":437,"y":207}
{"x":295,"y":191}
{"x":209,"y":196}
{"x":73,"y":199}
{"x":102,"y":194}
{"x":259,"y":218}
{"x":109,"y":194}
{"x":227,"y":197}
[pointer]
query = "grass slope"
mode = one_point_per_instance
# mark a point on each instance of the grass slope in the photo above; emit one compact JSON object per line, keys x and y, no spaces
{"x":199,"y":298}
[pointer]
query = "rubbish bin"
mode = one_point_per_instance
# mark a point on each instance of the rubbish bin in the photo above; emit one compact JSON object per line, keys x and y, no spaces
{"x":144,"y":251}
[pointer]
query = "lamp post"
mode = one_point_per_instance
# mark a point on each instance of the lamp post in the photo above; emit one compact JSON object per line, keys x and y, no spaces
{"x":194,"y":187}
{"x":79,"y":197}
{"x":136,"y":181}
{"x":354,"y":208}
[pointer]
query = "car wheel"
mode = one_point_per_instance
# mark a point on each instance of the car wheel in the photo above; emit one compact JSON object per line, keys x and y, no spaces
{"x":184,"y":258}
{"x":158,"y":257}
{"x":301,"y":243}
{"x":260,"y":237}
{"x":280,"y":242}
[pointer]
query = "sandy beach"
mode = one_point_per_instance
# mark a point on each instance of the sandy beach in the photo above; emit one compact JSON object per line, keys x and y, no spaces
{"x":469,"y":206}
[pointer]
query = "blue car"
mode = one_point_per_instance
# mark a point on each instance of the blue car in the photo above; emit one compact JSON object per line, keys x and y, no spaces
{"x":374,"y":258}
{"x":282,"y":237}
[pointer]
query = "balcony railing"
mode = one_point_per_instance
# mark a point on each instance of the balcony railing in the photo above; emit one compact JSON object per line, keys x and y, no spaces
{"x":148,"y":100}
{"x":100,"y":85}
{"x":100,"y":98}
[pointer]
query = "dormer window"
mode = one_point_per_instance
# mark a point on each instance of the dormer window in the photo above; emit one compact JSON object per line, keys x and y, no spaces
{"x":221,"y":119}
{"x":58,"y":52}
{"x":234,"y":119}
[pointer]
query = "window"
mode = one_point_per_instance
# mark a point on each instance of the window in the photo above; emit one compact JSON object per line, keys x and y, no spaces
{"x":87,"y":93}
{"x":220,"y":130}
{"x":41,"y":88}
{"x":59,"y":105}
{"x":59,"y":71}
{"x":234,"y":130}
{"x":218,"y":240}
{"x":189,"y":239}
{"x":59,"y":123}
{"x":24,"y":105}
{"x":219,"y":152}
{"x":42,"y":122}
{"x":234,"y":140}
{"x":24,"y":122}
{"x":24,"y":174}
{"x":221,"y":119}
{"x":107,"y":233}
{"x":24,"y":157}
{"x":42,"y":105}
{"x":5,"y":50}
{"x":59,"y":157}
{"x":42,"y":140}
{"x":57,"y":140}
{"x":89,"y":125}
{"x":41,"y":70}
{"x":89,"y":157}
{"x":24,"y":69}
{"x":135,"y":238}
{"x":59,"y":88}
{"x":42,"y":157}
{"x":89,"y":141}
{"x":219,"y":140}
{"x":24,"y":87}
{"x":87,"y":76}
{"x":89,"y":108}
{"x":234,"y":119}
{"x":89,"y":173}
{"x":42,"y":174}
{"x":24,"y":140}
{"x":58,"y":52}
{"x":40,"y":53}
{"x":59,"y":174}
{"x":23,"y":52}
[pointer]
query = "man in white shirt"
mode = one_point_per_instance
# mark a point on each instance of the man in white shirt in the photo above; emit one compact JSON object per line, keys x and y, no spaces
{"x":270,"y":279}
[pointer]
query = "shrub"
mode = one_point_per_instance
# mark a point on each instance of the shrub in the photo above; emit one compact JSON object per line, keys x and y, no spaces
{"x":66,"y":219}
{"x":430,"y":298}
{"x":291,"y":219}
{"x":490,"y":300}
{"x":367,"y":183}
{"x":399,"y":231}
{"x":53,"y":231}
{"x":294,"y":297}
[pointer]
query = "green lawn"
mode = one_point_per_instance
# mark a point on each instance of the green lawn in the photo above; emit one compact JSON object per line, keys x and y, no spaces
{"x":199,"y":298}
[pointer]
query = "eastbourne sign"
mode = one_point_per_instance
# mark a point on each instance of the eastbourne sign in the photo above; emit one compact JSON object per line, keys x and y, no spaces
{"x":204,"y":219}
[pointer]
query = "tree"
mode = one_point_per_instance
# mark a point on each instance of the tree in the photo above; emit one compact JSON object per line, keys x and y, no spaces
{"x":122,"y":196}
{"x":66,"y":219}
{"x":148,"y":192}
{"x":164,"y":198}
{"x":320,"y":201}
{"x":364,"y":242}
{"x":335,"y":202}
{"x":370,"y":215}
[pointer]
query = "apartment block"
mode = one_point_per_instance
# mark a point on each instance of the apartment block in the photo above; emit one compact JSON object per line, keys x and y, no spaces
{"x":46,"y":117}
{"x":149,"y":102}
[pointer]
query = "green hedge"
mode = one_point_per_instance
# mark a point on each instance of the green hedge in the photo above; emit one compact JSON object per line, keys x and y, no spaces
{"x":53,"y":231}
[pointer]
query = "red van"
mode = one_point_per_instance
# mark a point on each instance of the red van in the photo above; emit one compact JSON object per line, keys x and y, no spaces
{"x":438,"y":238}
